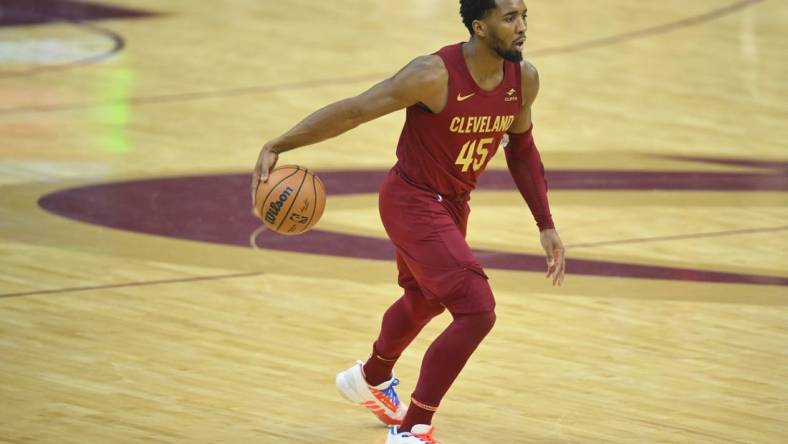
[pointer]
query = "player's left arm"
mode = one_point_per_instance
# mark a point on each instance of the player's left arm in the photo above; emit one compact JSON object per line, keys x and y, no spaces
{"x":525,"y":165}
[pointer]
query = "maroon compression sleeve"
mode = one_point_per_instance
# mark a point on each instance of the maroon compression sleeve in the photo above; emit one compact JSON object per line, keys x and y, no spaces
{"x":526,"y":167}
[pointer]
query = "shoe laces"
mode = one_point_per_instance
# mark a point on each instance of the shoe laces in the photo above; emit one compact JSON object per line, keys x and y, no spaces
{"x":390,"y":392}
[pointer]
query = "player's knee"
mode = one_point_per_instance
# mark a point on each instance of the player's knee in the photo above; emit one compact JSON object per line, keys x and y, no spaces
{"x":487,"y":319}
{"x":471,"y":295}
{"x":476,"y":325}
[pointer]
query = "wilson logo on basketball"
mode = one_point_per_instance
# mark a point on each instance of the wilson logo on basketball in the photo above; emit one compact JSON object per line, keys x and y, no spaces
{"x":275,"y":206}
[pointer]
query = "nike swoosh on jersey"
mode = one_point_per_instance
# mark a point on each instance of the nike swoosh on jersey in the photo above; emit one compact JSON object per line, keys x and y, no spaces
{"x":460,"y":97}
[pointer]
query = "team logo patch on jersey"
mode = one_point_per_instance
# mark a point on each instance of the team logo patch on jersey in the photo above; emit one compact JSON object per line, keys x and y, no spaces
{"x":510,"y":96}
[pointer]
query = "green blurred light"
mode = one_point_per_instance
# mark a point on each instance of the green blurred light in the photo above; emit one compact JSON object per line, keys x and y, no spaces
{"x":116,"y":115}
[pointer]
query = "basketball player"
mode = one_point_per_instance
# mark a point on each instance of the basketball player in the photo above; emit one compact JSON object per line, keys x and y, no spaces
{"x":460,"y":103}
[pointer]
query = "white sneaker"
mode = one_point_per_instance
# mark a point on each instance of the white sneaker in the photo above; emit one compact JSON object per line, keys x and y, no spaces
{"x":419,"y":434}
{"x":381,"y":400}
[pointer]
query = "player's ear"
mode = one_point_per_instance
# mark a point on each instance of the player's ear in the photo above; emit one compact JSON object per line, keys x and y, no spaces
{"x":479,"y":28}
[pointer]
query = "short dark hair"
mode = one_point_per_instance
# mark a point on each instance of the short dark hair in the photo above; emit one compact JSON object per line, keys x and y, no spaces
{"x":471,"y":10}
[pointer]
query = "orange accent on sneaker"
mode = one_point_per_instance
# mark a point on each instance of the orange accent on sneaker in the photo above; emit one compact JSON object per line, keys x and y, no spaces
{"x":384,"y":399}
{"x":426,"y":437}
{"x":382,"y":416}
{"x":423,"y":406}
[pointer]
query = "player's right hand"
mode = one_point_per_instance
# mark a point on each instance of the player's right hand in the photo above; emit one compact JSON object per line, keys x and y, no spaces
{"x":266,"y":161}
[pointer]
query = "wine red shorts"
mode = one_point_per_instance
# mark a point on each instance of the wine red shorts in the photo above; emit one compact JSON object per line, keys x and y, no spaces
{"x":433,"y":257}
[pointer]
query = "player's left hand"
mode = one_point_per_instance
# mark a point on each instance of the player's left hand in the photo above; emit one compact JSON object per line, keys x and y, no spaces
{"x":556,"y":259}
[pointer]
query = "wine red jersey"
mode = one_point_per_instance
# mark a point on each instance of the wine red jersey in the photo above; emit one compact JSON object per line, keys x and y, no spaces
{"x":446,"y":152}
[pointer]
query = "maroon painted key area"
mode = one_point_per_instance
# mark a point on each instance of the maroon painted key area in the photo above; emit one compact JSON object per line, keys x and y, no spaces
{"x":216,"y":209}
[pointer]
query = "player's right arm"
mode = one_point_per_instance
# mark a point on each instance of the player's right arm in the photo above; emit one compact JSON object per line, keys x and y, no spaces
{"x":423,"y":80}
{"x":525,"y":164}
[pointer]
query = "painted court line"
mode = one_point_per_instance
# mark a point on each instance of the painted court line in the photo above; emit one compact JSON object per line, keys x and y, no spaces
{"x":129,"y":284}
{"x":679,"y":237}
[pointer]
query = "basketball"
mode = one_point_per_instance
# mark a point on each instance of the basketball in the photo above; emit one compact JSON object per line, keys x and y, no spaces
{"x":291,"y":201}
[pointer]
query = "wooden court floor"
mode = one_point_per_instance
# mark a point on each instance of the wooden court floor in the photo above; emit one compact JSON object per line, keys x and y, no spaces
{"x":140,"y":303}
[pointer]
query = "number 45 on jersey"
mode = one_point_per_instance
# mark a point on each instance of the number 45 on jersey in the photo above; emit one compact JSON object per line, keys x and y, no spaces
{"x":474,"y":153}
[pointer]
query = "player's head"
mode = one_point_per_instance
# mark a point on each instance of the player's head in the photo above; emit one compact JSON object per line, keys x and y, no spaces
{"x":501,"y":24}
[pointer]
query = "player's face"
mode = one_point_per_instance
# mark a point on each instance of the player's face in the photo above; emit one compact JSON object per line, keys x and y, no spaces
{"x":507,"y":26}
